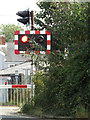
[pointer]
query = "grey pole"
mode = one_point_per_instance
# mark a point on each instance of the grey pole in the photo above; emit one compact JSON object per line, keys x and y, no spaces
{"x":31,"y":80}
{"x":32,"y":28}
{"x":16,"y":76}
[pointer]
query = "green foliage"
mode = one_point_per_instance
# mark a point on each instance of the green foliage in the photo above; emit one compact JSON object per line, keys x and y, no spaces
{"x":27,"y":108}
{"x":30,"y":109}
{"x":66,"y":21}
{"x":40,"y":80}
{"x":67,"y":85}
{"x":81,"y":112}
{"x":8,"y":31}
{"x":74,"y":90}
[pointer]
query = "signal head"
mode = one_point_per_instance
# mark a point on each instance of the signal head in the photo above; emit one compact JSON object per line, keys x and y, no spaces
{"x":24,"y":39}
{"x":40,"y":39}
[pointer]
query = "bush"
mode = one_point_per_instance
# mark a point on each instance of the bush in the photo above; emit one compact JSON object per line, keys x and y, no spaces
{"x":32,"y":110}
{"x":81,"y":112}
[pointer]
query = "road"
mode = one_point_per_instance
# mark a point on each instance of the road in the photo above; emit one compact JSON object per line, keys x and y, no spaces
{"x":12,"y":113}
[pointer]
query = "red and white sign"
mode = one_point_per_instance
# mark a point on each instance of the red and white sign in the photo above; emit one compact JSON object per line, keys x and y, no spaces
{"x":33,"y":32}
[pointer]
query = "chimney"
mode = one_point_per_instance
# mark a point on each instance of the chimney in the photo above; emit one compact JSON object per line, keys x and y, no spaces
{"x":2,"y":39}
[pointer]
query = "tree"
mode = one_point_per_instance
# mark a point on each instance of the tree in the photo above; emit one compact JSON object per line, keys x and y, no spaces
{"x":65,"y":21}
{"x":62,"y":91}
{"x":8,"y":31}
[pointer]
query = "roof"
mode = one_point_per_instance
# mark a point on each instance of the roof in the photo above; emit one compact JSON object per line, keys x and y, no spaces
{"x":10,"y":56}
{"x":2,"y":53}
{"x":20,"y":68}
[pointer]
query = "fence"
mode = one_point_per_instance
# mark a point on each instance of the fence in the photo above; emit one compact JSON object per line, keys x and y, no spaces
{"x":16,"y":94}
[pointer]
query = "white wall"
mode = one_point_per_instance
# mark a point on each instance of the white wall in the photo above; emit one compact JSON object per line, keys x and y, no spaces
{"x":2,"y":57}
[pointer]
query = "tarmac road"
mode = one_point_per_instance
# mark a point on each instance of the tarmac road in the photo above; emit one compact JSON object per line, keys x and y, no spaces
{"x":11,"y":113}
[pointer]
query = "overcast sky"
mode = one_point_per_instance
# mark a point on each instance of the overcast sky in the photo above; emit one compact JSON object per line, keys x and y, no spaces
{"x":9,"y":8}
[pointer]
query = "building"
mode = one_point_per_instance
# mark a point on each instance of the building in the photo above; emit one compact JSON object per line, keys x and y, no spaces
{"x":10,"y":65}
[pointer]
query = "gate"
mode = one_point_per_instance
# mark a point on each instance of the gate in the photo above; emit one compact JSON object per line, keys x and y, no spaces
{"x":16,"y":94}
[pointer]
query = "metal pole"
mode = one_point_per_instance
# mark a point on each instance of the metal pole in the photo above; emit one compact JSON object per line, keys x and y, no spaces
{"x":23,"y":95}
{"x":17,"y":96}
{"x":32,"y":28}
{"x":14,"y":96}
{"x":31,"y":81}
{"x":1,"y":97}
{"x":32,"y":20}
{"x":11,"y":96}
{"x":1,"y":92}
{"x":20,"y":96}
{"x":16,"y":76}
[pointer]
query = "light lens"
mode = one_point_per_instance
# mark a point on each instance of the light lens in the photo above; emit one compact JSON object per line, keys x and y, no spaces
{"x":5,"y":83}
{"x":24,"y":39}
{"x":40,"y":39}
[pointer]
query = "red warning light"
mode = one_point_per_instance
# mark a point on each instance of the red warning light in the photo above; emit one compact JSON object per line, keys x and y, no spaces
{"x":5,"y":83}
{"x":24,"y":39}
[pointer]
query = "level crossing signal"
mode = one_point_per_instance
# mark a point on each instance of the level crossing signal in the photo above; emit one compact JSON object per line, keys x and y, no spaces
{"x":25,"y":16}
{"x":24,"y":39}
{"x":32,"y":41}
{"x":5,"y":83}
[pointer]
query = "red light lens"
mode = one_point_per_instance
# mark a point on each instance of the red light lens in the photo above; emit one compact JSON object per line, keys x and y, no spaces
{"x":5,"y":83}
{"x":24,"y":39}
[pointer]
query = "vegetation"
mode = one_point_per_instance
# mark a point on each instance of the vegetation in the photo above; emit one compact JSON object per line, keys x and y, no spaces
{"x":8,"y":31}
{"x":62,"y":88}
